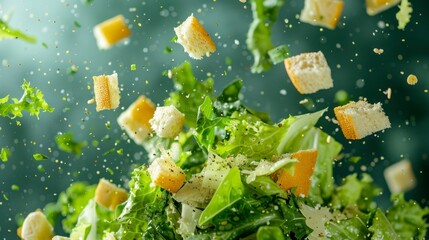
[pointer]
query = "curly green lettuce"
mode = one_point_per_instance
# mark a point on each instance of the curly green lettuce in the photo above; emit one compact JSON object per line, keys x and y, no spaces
{"x":31,"y":101}
{"x":8,"y":32}
{"x":404,"y":14}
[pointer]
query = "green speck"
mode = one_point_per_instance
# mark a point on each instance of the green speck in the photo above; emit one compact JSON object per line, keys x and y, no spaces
{"x":95,"y":143}
{"x":228,"y":61}
{"x":39,"y":157}
{"x":354,"y":159}
{"x":109,"y":170}
{"x":120,"y":151}
{"x":72,"y":70}
{"x":15,"y":187}
{"x":341,"y":97}
{"x":41,"y":169}
{"x":133,"y":67}
{"x":76,"y":24}
{"x":168,"y":50}
{"x":107,"y":124}
{"x":174,"y":39}
{"x":108,"y":152}
{"x":5,"y":197}
{"x":66,"y":143}
{"x":87,"y":1}
{"x":4,"y":154}
{"x":45,"y":45}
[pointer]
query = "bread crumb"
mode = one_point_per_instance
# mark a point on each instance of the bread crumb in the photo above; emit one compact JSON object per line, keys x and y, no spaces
{"x":303,"y":101}
{"x":243,"y":1}
{"x":91,"y":101}
{"x":388,"y":93}
{"x":378,"y":50}
{"x":412,"y":79}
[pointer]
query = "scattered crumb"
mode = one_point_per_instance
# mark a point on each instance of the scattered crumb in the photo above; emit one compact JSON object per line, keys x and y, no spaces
{"x":378,"y":50}
{"x":388,"y":93}
{"x":243,"y":1}
{"x":412,"y":79}
{"x":303,"y":101}
{"x":91,"y":101}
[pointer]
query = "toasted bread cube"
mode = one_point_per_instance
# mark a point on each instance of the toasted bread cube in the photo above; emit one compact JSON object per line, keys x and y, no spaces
{"x":309,"y":72}
{"x":400,"y":177}
{"x":167,"y":121}
{"x":106,"y":91}
{"x":111,"y":31}
{"x":374,"y":7}
{"x":360,"y":119}
{"x":194,"y":38}
{"x":166,"y":174}
{"x":109,"y":195}
{"x":324,"y":13}
{"x":135,"y":120}
{"x":36,"y":227}
{"x":301,"y":177}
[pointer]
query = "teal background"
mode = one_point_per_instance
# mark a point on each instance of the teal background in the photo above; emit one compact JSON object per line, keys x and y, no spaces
{"x":348,"y":49}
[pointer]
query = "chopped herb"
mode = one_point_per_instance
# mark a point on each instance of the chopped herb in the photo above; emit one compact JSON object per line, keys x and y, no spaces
{"x":8,"y":32}
{"x":228,"y":61}
{"x":174,"y":39}
{"x":31,"y":101}
{"x":109,"y":170}
{"x":133,"y":67}
{"x":87,"y":1}
{"x":278,"y":54}
{"x":404,"y":14}
{"x":4,"y":154}
{"x":77,"y":24}
{"x":120,"y":151}
{"x":45,"y":45}
{"x":355,"y":159}
{"x":72,"y":70}
{"x":108,"y":152}
{"x":107,"y":124}
{"x":39,"y":157}
{"x":15,"y":187}
{"x":168,"y":50}
{"x":95,"y":143}
{"x":342,"y":97}
{"x":66,"y":143}
{"x":41,"y":169}
{"x":5,"y":197}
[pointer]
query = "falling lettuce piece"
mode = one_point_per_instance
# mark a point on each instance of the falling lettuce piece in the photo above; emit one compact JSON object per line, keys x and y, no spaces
{"x":258,"y":41}
{"x":408,"y":218}
{"x":404,"y":14}
{"x":5,"y":154}
{"x":39,"y":157}
{"x":32,"y":101}
{"x":8,"y":32}
{"x":66,"y":143}
{"x":278,"y":54}
{"x":189,"y":93}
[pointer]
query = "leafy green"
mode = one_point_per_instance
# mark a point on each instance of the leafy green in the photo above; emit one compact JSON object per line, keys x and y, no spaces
{"x":270,"y":233}
{"x":404,"y":14}
{"x":31,"y":101}
{"x":5,"y":154}
{"x":354,"y":228}
{"x":8,"y":32}
{"x":144,"y":215}
{"x":355,"y":192}
{"x":39,"y":157}
{"x":408,"y":218}
{"x":189,"y":93}
{"x":258,"y":41}
{"x":93,"y":222}
{"x":278,"y":54}
{"x":382,"y":228}
{"x":66,"y":143}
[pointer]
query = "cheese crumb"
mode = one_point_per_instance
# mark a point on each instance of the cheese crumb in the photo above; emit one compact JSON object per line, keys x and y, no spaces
{"x":412,"y":79}
{"x":378,"y":50}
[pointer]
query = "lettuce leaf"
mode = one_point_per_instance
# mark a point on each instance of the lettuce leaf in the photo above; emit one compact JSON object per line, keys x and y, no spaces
{"x":270,"y":233}
{"x":5,"y":154}
{"x":144,"y":213}
{"x":354,"y":228}
{"x":404,"y":14}
{"x":190,"y":93}
{"x":32,"y":101}
{"x":408,"y":218}
{"x":8,"y":32}
{"x":66,"y":143}
{"x":258,"y":41}
{"x":381,"y":228}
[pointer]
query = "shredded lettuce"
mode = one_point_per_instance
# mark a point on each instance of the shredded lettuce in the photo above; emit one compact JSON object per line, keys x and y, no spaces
{"x":258,"y":41}
{"x":408,"y":218}
{"x":404,"y":14}
{"x":32,"y":101}
{"x":382,"y":228}
{"x":8,"y":32}
{"x":66,"y":143}
{"x":5,"y":154}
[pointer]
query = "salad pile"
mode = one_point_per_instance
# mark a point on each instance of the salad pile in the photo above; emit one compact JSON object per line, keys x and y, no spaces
{"x":232,"y":156}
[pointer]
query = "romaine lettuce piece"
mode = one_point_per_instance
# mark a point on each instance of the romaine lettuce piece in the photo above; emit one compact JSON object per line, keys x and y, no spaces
{"x":8,"y":32}
{"x":381,"y":228}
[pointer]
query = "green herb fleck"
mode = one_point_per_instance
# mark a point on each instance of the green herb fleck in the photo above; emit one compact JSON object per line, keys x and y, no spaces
{"x":66,"y":143}
{"x":404,"y":14}
{"x":168,"y":50}
{"x":87,"y":1}
{"x":45,"y":45}
{"x":278,"y":54}
{"x":39,"y":157}
{"x":5,"y":197}
{"x":72,"y":70}
{"x":120,"y":151}
{"x":15,"y":187}
{"x":41,"y":169}
{"x":354,"y":159}
{"x":174,"y":39}
{"x":341,"y":97}
{"x":108,"y":152}
{"x":4,"y":154}
{"x":107,"y":124}
{"x":133,"y":67}
{"x":8,"y":32}
{"x":77,"y":24}
{"x":31,"y":101}
{"x":109,"y":170}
